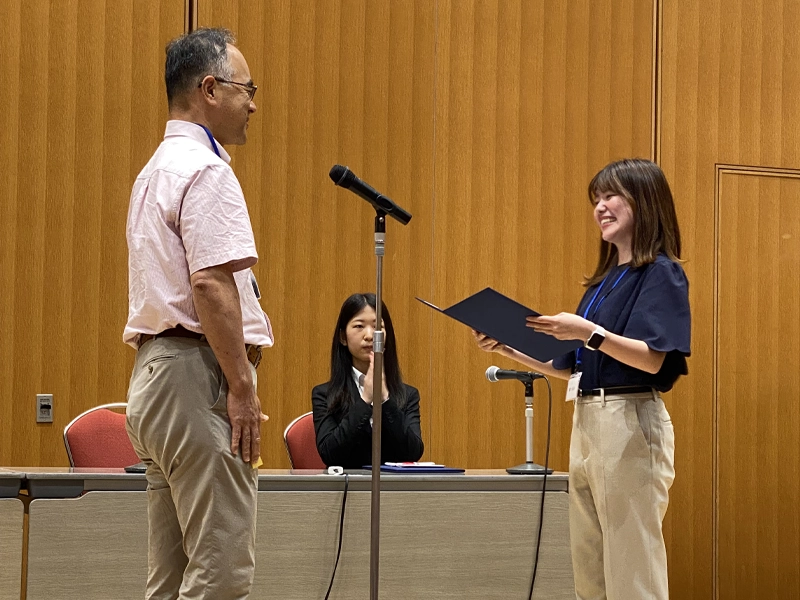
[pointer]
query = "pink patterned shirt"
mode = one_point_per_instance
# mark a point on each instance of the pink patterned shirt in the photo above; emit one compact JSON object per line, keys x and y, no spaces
{"x":187,"y":213}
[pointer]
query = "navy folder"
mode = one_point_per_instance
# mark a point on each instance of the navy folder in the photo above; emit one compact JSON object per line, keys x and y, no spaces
{"x":503,"y":319}
{"x":408,"y":470}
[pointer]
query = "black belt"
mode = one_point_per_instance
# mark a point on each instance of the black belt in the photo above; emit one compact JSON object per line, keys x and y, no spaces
{"x":253,"y":351}
{"x":173,"y":332}
{"x":614,"y":391}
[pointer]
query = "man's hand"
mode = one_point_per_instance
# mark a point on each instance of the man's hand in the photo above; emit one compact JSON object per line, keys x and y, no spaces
{"x":216,"y":299}
{"x":244,"y":413}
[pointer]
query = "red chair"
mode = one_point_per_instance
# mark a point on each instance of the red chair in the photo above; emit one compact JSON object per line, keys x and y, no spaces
{"x":97,"y":438}
{"x":301,"y":443}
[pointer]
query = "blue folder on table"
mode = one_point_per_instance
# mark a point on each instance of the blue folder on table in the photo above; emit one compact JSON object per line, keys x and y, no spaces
{"x":417,"y":469}
{"x":503,"y":319}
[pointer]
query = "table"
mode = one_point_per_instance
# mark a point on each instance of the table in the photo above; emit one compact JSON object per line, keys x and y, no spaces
{"x":10,"y":482}
{"x":11,"y":534}
{"x":442,"y":536}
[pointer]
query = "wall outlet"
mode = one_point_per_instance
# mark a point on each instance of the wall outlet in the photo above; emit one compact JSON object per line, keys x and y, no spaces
{"x":44,"y":408}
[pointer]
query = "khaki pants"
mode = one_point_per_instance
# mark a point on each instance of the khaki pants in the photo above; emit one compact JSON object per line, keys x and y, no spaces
{"x":621,"y":469}
{"x":201,"y":498}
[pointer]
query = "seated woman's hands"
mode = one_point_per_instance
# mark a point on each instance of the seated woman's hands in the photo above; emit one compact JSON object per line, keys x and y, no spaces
{"x":368,"y":382}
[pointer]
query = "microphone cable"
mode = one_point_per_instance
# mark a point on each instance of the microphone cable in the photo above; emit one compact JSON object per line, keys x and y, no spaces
{"x":544,"y":485}
{"x":341,"y":533}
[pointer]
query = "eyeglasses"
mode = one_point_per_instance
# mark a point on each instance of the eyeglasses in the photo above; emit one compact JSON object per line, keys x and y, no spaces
{"x":251,"y":89}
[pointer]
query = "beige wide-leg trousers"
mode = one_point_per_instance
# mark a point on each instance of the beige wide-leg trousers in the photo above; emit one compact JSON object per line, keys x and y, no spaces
{"x":621,"y":469}
{"x":201,"y":498}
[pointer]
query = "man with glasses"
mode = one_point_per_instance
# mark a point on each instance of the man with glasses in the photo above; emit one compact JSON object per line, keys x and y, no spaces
{"x":194,"y":317}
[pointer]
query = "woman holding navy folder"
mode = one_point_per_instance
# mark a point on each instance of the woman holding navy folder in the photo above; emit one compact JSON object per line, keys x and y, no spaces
{"x":635,"y":323}
{"x":343,"y":406}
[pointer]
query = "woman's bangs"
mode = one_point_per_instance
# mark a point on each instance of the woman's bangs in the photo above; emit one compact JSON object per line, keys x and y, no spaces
{"x":606,"y":182}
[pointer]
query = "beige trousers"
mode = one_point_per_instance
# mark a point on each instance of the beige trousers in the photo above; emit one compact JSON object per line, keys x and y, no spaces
{"x":621,"y":469}
{"x":201,"y":498}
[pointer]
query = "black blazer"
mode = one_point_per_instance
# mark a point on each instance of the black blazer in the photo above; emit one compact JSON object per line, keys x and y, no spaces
{"x":345,"y":440}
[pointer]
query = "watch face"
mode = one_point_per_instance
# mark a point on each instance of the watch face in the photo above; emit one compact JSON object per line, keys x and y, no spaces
{"x":595,"y":341}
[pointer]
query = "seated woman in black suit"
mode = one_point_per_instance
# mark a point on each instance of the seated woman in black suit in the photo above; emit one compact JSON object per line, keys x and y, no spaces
{"x":343,"y":406}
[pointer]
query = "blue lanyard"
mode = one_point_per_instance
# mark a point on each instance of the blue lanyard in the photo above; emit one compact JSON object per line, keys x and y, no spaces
{"x":591,"y":302}
{"x":210,"y":139}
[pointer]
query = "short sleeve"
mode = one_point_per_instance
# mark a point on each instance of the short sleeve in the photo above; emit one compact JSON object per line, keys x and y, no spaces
{"x":213,"y":221}
{"x":565,"y":361}
{"x":660,"y":315}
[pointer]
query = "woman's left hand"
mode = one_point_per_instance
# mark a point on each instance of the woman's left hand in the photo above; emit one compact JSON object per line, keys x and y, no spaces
{"x":563,"y":326}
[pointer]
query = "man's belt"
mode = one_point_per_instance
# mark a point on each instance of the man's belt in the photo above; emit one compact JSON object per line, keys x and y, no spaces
{"x":614,"y":391}
{"x":253,"y":351}
{"x":173,"y":332}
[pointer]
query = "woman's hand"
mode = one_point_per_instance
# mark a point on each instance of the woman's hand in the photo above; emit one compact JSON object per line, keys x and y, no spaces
{"x":488,"y":344}
{"x":563,"y":326}
{"x":368,"y":382}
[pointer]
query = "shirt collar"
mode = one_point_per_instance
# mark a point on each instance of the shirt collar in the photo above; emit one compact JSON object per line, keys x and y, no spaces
{"x":358,"y":377}
{"x":176,"y":128}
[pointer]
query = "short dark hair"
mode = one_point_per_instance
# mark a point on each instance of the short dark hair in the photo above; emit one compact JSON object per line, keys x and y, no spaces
{"x":655,"y":224}
{"x":192,"y":56}
{"x":339,"y":400}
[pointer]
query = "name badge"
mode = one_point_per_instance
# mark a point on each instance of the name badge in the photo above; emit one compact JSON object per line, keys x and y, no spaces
{"x":573,"y":387}
{"x":254,"y":283}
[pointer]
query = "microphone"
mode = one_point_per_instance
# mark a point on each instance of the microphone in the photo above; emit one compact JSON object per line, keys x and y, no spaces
{"x":344,"y":177}
{"x":494,"y":374}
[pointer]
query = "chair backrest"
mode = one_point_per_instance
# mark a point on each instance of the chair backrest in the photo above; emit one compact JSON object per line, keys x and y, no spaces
{"x":301,"y":443}
{"x":98,"y":438}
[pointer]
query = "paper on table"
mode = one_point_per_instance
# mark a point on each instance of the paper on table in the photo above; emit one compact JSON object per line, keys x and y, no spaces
{"x":412,"y":464}
{"x":417,"y":469}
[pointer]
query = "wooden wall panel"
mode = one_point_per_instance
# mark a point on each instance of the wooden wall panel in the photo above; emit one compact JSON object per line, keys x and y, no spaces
{"x":84,"y":107}
{"x":349,"y":83}
{"x":758,"y":384}
{"x":688,"y":125}
{"x":532,"y":99}
{"x":486,"y":120}
{"x":728,"y":95}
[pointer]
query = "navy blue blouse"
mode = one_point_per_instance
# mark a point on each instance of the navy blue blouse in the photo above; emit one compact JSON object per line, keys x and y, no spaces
{"x":651,"y":304}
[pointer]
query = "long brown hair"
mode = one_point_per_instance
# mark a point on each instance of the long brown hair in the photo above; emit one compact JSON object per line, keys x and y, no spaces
{"x":655,"y":225}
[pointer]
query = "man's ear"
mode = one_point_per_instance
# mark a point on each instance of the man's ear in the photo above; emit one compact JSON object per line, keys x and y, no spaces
{"x":208,"y":87}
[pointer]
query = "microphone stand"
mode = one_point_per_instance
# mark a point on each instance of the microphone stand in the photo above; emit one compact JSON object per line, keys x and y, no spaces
{"x":344,"y":177}
{"x":528,"y":467}
{"x":377,"y":404}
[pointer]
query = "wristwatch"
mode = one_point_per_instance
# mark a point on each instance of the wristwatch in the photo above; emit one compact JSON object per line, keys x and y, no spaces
{"x":597,"y":337}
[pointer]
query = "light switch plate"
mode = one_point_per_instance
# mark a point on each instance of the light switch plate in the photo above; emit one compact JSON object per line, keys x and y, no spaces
{"x":44,"y":408}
